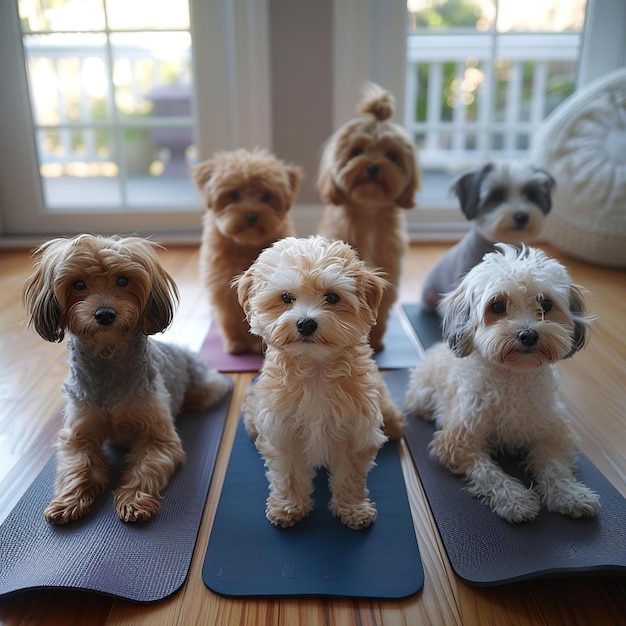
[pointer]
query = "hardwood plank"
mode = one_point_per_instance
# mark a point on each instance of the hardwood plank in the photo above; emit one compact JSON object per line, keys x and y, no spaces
{"x":31,"y":374}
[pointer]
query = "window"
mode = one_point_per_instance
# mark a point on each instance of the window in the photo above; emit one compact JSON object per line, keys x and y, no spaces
{"x":111,"y":88}
{"x":106,"y":103}
{"x":481,"y":77}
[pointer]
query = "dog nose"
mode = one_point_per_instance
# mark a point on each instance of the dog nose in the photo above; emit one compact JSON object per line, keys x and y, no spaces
{"x":521,"y":219}
{"x":252,"y":218}
{"x":306,"y":326}
{"x":105,"y":315}
{"x":372,"y":170}
{"x":528,"y":337}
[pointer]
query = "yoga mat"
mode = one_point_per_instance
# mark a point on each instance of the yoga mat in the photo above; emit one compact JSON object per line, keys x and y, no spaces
{"x":249,"y":557}
{"x":400,"y":350}
{"x":485,"y":550}
{"x":425,"y":324}
{"x":139,"y":562}
{"x":213,"y":353}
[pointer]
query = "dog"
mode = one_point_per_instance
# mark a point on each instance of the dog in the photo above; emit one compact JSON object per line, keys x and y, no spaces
{"x":494,"y":386}
{"x":248,"y":195}
{"x":368,"y":176}
{"x":505,"y":202}
{"x":319,"y":399}
{"x":108,"y":294}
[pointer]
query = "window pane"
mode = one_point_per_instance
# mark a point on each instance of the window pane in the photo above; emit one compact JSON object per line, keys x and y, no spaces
{"x":112,"y":111}
{"x":541,"y":15}
{"x":147,"y":14}
{"x":444,"y":14}
{"x":481,"y":95}
{"x":61,"y":15}
{"x":146,"y":64}
{"x":67,"y":76}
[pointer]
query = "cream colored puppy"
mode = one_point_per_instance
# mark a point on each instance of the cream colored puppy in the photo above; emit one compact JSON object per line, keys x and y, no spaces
{"x":319,"y":399}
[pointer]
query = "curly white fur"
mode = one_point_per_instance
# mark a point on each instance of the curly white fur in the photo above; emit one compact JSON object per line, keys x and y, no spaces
{"x":494,"y":387}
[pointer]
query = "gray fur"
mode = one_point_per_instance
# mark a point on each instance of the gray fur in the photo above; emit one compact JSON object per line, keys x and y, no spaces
{"x":144,"y":366}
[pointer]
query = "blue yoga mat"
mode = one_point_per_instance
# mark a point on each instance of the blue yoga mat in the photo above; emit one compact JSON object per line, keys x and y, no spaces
{"x":249,"y":557}
{"x":139,"y":562}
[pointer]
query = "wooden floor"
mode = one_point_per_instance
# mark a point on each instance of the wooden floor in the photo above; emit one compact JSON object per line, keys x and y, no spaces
{"x":594,"y":387}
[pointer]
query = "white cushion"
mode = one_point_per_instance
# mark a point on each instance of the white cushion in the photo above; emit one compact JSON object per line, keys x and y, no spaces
{"x":583,"y":145}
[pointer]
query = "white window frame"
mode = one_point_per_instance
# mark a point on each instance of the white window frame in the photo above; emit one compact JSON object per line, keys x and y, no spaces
{"x":230,"y":40}
{"x":370,"y":44}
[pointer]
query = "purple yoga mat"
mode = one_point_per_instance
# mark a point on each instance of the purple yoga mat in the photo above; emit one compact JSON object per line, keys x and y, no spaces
{"x":139,"y":562}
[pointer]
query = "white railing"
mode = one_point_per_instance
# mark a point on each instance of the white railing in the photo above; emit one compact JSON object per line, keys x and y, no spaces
{"x":85,"y":64}
{"x":470,"y":97}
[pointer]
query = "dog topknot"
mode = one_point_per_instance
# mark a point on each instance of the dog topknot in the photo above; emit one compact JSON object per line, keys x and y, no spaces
{"x":377,"y":102}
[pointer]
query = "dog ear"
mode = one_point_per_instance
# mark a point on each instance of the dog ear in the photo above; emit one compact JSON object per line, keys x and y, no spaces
{"x":467,"y":189}
{"x":41,"y":304}
{"x":161,"y":304}
{"x":330,"y":192}
{"x":244,"y":283}
{"x":201,"y":174}
{"x":542,"y":185}
{"x":372,"y":287}
{"x":407,"y":197}
{"x":294,"y":176}
{"x":582,"y":322}
{"x":456,"y":324}
{"x":163,"y":296}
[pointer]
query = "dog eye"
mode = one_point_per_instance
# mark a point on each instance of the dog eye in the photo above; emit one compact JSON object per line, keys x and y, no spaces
{"x":498,"y":307}
{"x":122,"y":281}
{"x":532,"y":196}
{"x":545,"y":304}
{"x":266,"y":197}
{"x":287,"y":298}
{"x":497,"y":196}
{"x":392,"y":156}
{"x":79,"y":285}
{"x":332,"y":298}
{"x":234,"y":196}
{"x":356,"y":152}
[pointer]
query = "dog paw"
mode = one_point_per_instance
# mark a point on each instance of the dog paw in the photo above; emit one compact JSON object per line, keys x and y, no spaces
{"x":358,"y":516}
{"x":135,"y":506}
{"x":65,"y":510}
{"x":285,"y":514}
{"x":394,"y":425}
{"x":576,"y":500}
{"x":517,"y":506}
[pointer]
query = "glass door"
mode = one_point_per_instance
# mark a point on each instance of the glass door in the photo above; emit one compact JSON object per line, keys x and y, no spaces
{"x":107,"y":103}
{"x":111,"y":88}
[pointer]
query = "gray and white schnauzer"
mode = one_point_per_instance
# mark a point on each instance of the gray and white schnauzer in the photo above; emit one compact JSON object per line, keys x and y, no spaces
{"x":505,"y":202}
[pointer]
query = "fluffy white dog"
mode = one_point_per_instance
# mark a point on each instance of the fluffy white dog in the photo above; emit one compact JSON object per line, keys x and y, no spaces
{"x":494,"y":387}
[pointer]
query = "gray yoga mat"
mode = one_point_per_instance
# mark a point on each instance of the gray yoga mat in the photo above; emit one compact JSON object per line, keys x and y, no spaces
{"x":485,"y":550}
{"x":425,"y":324}
{"x":139,"y":562}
